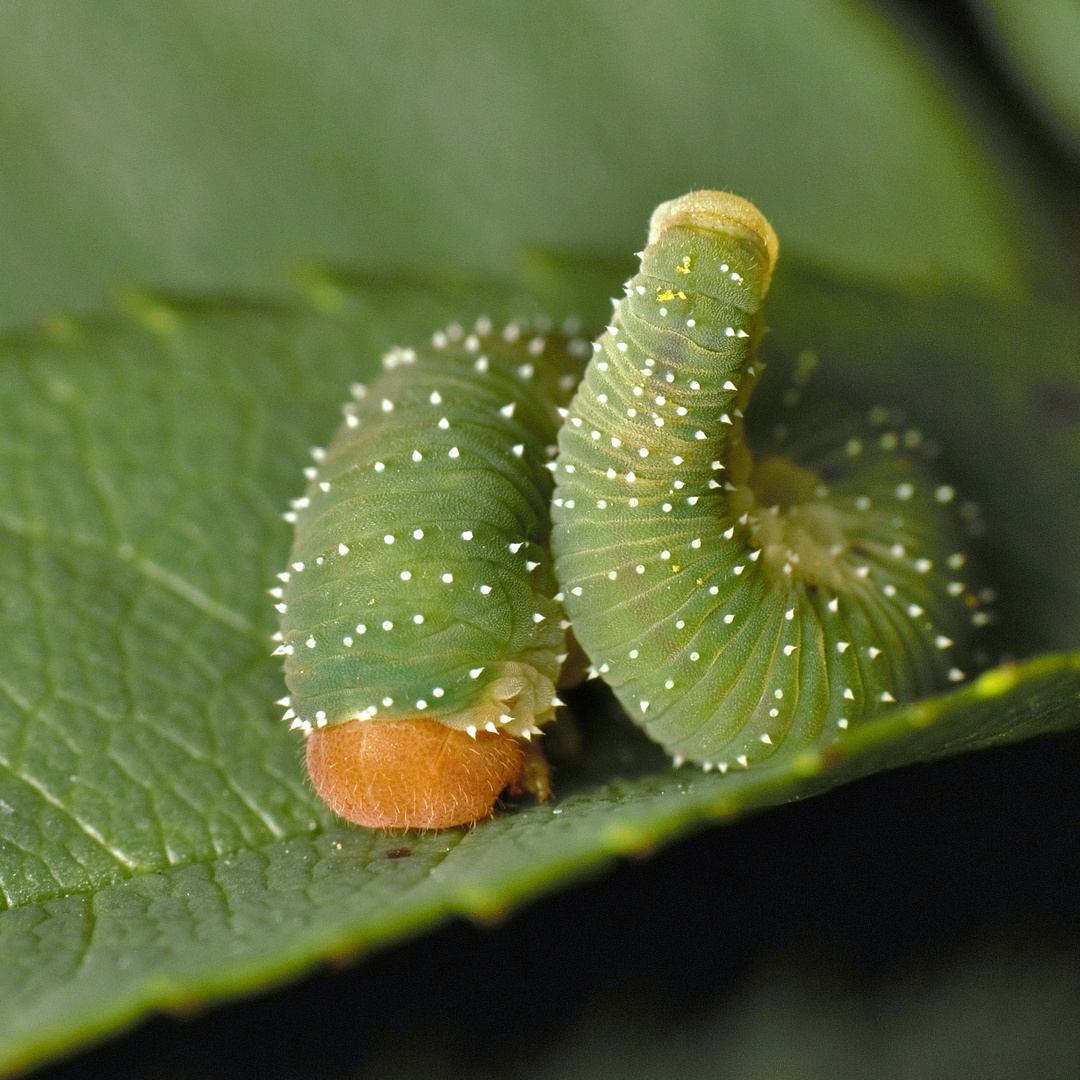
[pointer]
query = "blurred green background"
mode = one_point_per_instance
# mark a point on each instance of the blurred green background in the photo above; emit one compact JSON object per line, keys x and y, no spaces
{"x":204,"y":143}
{"x":925,"y":926}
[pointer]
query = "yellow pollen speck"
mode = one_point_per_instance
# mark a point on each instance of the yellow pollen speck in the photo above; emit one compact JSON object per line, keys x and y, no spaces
{"x":684,"y":266}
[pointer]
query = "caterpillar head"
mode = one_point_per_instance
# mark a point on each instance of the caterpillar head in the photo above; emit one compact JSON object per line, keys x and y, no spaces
{"x":726,"y":215}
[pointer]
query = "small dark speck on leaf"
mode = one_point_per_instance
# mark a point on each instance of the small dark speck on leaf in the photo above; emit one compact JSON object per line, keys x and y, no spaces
{"x":1055,"y":404}
{"x":398,"y":853}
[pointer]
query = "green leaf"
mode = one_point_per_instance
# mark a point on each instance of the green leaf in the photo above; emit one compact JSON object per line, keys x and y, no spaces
{"x":1040,"y":42}
{"x":159,"y":846}
{"x":200,"y":143}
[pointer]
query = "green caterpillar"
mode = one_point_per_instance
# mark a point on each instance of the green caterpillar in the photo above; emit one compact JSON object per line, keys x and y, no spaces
{"x":419,"y":592}
{"x":742,"y":608}
{"x":742,"y":605}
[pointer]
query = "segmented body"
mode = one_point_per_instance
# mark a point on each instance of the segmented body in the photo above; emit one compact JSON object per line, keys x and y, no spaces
{"x":420,"y":582}
{"x":740,"y":609}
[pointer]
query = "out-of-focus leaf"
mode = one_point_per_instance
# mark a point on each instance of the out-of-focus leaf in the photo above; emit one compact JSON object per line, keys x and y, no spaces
{"x":1039,"y":40}
{"x":202,"y":142}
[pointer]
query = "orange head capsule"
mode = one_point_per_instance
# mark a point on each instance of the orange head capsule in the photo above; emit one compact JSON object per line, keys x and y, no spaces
{"x":411,"y":774}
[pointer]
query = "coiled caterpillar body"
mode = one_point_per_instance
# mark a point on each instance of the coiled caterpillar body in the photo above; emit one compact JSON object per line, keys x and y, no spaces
{"x":741,"y":607}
